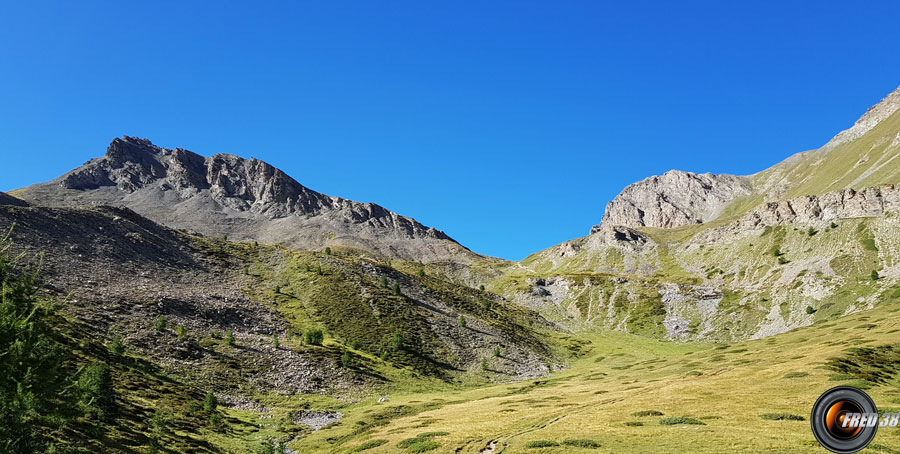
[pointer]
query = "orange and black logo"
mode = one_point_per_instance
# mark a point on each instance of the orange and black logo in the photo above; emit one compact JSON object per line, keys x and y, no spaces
{"x":844,"y":420}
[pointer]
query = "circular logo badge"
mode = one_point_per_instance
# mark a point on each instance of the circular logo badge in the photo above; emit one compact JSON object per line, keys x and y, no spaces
{"x":844,"y":420}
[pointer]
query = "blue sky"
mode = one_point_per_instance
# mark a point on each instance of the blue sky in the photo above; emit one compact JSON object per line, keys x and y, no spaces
{"x":509,"y":125}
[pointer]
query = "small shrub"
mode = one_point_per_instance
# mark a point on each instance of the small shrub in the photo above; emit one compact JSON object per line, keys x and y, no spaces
{"x":277,"y":289}
{"x":811,"y":231}
{"x":229,"y":337}
{"x":581,"y":443}
{"x":795,"y":375}
{"x":681,"y":420}
{"x":180,"y":332}
{"x":782,"y":417}
{"x":875,"y":275}
{"x":398,"y":340}
{"x":643,"y":413}
{"x":246,"y":270}
{"x":355,"y":345}
{"x":462,"y":321}
{"x":115,"y":346}
{"x":345,"y":359}
{"x":384,"y":281}
{"x":160,"y":325}
{"x":368,"y":445}
{"x":810,"y":310}
{"x":95,"y":392}
{"x":782,"y":260}
{"x":210,"y":402}
{"x":421,"y":272}
{"x":496,"y":352}
{"x":484,"y":364}
{"x":833,"y":226}
{"x":256,"y":244}
{"x":396,"y":288}
{"x":481,"y":287}
{"x":327,"y":251}
{"x":216,"y":334}
{"x":541,"y":444}
{"x":423,"y":446}
{"x":633,"y":423}
{"x":319,"y":270}
{"x":314,"y":337}
{"x":275,"y":342}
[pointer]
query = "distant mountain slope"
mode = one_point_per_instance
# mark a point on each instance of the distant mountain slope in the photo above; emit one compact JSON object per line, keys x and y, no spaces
{"x":862,"y":156}
{"x":243,"y":199}
{"x":722,"y":257}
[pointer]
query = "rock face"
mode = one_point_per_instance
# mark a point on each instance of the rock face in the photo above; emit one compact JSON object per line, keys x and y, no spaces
{"x":244,"y":199}
{"x":674,"y":199}
{"x":847,"y":203}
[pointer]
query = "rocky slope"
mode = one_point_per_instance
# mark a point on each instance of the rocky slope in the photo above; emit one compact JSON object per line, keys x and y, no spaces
{"x":6,"y":199}
{"x":719,"y":257}
{"x":243,"y":199}
{"x":862,"y":156}
{"x":674,"y":199}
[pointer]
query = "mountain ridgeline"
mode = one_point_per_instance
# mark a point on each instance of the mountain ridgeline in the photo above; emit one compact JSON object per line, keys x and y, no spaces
{"x":190,"y":284}
{"x":225,"y":195}
{"x":724,"y":257}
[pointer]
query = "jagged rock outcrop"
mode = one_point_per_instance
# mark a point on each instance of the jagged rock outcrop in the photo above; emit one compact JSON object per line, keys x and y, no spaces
{"x":674,"y":199}
{"x":847,"y":203}
{"x":246,"y":199}
{"x":6,"y":199}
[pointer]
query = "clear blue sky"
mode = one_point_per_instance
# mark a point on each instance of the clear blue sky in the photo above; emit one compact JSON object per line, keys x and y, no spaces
{"x":509,"y":125}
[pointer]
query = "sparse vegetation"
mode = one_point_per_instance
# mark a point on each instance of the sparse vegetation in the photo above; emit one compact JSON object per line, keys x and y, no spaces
{"x":581,"y":443}
{"x":160,"y":325}
{"x":115,"y":345}
{"x":681,"y":420}
{"x":541,"y":444}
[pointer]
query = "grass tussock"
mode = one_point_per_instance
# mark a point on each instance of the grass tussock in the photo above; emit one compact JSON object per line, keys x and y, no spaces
{"x":681,"y":420}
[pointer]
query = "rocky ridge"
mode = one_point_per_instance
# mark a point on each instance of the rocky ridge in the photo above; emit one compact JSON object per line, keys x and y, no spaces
{"x":674,"y":199}
{"x":245,"y":199}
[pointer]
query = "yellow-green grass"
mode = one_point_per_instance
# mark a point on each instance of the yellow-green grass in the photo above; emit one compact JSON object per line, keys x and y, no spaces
{"x":727,"y":387}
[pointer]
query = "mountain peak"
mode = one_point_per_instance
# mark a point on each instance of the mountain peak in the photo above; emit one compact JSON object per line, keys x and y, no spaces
{"x":246,"y":199}
{"x":674,"y":199}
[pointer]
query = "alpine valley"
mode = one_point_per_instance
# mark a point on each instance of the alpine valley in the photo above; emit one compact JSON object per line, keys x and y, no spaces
{"x":163,"y":301}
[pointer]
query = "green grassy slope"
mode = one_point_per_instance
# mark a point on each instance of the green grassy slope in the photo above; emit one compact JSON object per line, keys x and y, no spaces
{"x":619,"y":395}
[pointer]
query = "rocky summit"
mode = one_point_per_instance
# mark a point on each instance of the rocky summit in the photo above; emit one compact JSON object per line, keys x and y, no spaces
{"x":243,"y":199}
{"x":674,"y":199}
